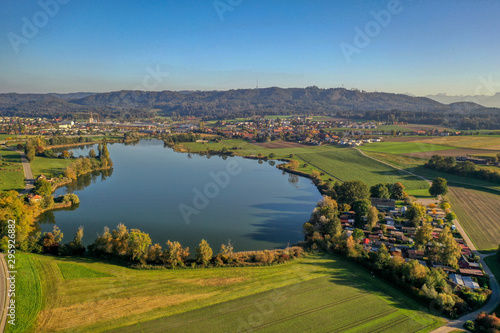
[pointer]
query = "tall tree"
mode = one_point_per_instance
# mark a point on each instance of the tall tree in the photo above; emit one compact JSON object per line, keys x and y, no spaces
{"x":415,"y":213}
{"x":361,"y":208}
{"x":380,"y":191}
{"x":138,"y":245}
{"x":398,"y":191}
{"x":204,"y":253}
{"x":439,"y":187}
{"x":423,"y":235}
{"x":351,"y":191}
{"x":176,"y":255}
{"x":450,"y":251}
{"x":372,"y":217}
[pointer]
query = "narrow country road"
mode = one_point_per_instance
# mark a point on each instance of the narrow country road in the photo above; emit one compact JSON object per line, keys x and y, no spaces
{"x":3,"y":292}
{"x":494,"y":300}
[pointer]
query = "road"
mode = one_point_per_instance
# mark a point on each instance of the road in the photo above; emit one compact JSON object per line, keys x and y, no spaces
{"x":3,"y":292}
{"x":494,"y":300}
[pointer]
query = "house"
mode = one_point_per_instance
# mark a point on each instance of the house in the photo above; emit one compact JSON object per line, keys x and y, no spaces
{"x":456,"y":279}
{"x":469,"y":283}
{"x":466,"y":264}
{"x":35,"y":198}
{"x":415,"y":254}
{"x":471,"y":272}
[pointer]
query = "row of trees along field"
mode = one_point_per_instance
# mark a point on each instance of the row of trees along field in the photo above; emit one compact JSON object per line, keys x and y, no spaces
{"x":323,"y":232}
{"x":135,"y":248}
{"x":465,"y":169}
{"x":37,"y":146}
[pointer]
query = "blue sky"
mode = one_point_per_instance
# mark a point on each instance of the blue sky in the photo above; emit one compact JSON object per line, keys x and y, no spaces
{"x":422,"y":47}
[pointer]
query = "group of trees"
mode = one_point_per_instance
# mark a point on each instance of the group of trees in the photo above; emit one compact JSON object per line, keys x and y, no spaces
{"x":323,"y":231}
{"x":466,"y":169}
{"x":37,"y":146}
{"x":83,"y":165}
{"x":394,"y":191}
{"x":135,"y":247}
{"x":484,"y":322}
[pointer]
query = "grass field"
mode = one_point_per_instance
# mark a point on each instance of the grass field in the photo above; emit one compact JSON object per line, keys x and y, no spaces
{"x":11,"y":170}
{"x":470,"y":141}
{"x":403,"y":147}
{"x":493,"y":263}
{"x":416,"y":165}
{"x":305,"y":295}
{"x":71,"y":271}
{"x":51,"y":167}
{"x":29,"y":293}
{"x":479,"y":213}
{"x":349,"y":164}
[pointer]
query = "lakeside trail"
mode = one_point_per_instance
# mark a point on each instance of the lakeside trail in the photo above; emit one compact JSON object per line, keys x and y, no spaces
{"x":494,"y":300}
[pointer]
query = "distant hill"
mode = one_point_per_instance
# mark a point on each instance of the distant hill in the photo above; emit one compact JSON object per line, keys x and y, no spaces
{"x":240,"y":102}
{"x":487,"y":101}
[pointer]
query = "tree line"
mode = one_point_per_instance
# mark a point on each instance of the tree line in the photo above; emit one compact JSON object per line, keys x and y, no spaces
{"x":465,"y":169}
{"x":134,"y":247}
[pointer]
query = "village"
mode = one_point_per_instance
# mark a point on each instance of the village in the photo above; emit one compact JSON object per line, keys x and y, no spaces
{"x":398,"y":234}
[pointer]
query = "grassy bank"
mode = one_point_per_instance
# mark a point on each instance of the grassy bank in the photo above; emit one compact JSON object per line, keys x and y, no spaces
{"x":81,"y":294}
{"x":48,"y":166}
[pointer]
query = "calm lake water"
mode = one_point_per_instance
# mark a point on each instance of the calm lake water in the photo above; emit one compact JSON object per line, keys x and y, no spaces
{"x":174,"y":196}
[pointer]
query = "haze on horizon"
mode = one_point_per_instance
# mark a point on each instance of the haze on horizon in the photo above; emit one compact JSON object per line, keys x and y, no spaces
{"x":416,"y":47}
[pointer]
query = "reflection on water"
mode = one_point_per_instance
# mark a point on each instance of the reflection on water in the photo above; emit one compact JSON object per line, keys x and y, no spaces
{"x":259,"y":208}
{"x":86,"y":180}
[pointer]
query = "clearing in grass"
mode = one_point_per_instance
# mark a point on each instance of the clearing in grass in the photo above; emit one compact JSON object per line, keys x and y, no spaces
{"x":131,"y":296}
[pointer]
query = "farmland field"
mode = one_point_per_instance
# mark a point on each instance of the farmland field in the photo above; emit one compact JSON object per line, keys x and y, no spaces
{"x":416,"y":165}
{"x":11,"y":170}
{"x":317,"y":305}
{"x":478,"y":142}
{"x":403,"y":147}
{"x":349,"y":164}
{"x":479,"y":213}
{"x":335,"y":288}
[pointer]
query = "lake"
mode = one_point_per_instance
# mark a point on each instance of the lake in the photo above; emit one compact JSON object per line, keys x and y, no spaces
{"x":186,"y":198}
